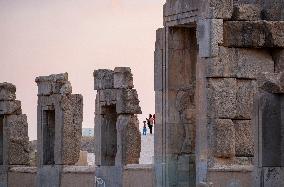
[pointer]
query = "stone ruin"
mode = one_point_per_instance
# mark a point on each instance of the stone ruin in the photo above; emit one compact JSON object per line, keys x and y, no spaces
{"x":117,"y":135}
{"x":59,"y":127}
{"x":14,"y":140}
{"x":207,"y":60}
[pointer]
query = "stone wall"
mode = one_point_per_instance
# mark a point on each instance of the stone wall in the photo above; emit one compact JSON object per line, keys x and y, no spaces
{"x":207,"y":58}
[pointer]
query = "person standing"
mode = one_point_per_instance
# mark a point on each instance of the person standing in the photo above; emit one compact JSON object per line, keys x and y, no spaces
{"x":150,"y":122}
{"x":144,"y":128}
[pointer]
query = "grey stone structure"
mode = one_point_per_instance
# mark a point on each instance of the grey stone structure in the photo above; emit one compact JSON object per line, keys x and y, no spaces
{"x":117,"y":135}
{"x":207,"y":59}
{"x":14,"y":140}
{"x":60,"y":116}
{"x":269,"y":130}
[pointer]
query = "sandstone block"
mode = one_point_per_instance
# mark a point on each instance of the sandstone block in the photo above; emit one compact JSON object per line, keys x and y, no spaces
{"x":246,"y":90}
{"x":247,"y":12}
{"x":10,"y":107}
{"x":254,"y":34}
{"x":127,"y":102}
{"x":7,"y":91}
{"x":210,"y":35}
{"x":123,"y":78}
{"x":224,"y":138}
{"x":244,"y":138}
{"x":222,"y":97}
{"x":175,"y":138}
{"x":104,"y":79}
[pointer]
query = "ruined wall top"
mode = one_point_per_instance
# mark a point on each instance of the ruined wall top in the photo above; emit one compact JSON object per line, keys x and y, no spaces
{"x":119,"y":78}
{"x":178,"y":12}
{"x":53,"y":84}
{"x":7,"y":91}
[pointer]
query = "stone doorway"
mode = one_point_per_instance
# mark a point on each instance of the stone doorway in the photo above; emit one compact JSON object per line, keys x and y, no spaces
{"x":109,"y":135}
{"x":175,"y":86}
{"x":48,"y":124}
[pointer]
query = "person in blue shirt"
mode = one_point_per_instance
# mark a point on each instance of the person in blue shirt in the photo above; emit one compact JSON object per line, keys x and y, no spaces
{"x":144,"y":128}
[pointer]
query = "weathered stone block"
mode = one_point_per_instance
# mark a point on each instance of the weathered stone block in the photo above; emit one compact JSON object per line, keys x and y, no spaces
{"x":16,"y":126}
{"x":244,"y":138}
{"x":254,"y":34}
{"x":7,"y":92}
{"x":240,"y":63}
{"x":247,"y":12}
{"x":104,"y":79}
{"x":127,"y":102}
{"x":222,"y":97}
{"x":130,"y":139}
{"x":10,"y":107}
{"x":72,"y":128}
{"x":107,"y":96}
{"x":175,"y":138}
{"x":224,"y":65}
{"x":53,"y":84}
{"x":123,"y":78}
{"x":246,"y":90}
{"x":221,"y":9}
{"x":251,"y":62}
{"x":19,"y":151}
{"x":210,"y":35}
{"x":224,"y":138}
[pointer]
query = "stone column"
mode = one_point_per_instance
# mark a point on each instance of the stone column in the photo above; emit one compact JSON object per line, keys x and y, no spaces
{"x":117,"y":135}
{"x":14,"y":140}
{"x":60,"y":116}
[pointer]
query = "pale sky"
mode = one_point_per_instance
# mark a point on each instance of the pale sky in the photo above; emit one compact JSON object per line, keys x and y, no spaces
{"x":42,"y":37}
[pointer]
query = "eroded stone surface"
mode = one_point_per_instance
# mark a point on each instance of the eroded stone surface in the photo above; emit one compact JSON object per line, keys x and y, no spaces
{"x":244,"y":138}
{"x":128,"y":102}
{"x":103,"y":79}
{"x":222,"y":97}
{"x":254,"y":34}
{"x":7,"y":91}
{"x":247,"y":12}
{"x":123,"y":78}
{"x":224,"y":138}
{"x":10,"y":107}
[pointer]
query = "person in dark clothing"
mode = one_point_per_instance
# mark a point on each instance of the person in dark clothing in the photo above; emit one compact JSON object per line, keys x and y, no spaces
{"x":150,"y":123}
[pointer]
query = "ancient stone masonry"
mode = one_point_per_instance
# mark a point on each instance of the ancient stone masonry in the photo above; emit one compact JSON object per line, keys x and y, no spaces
{"x":269,"y":130}
{"x":207,"y":60}
{"x":14,"y":140}
{"x":117,"y":136}
{"x":60,"y":116}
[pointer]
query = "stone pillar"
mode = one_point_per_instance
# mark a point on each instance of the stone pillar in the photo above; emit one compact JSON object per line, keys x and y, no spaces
{"x":60,"y":116}
{"x":269,"y":134}
{"x":117,"y":135}
{"x":14,"y":140}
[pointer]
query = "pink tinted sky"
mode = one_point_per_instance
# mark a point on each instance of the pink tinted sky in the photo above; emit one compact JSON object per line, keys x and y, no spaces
{"x":46,"y":37}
